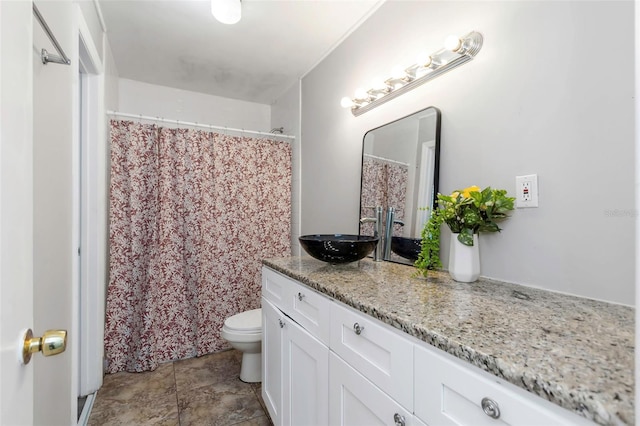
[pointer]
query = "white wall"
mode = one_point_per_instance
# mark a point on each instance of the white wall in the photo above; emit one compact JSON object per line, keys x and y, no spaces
{"x":543,"y":96}
{"x":285,"y":112}
{"x":112,"y":80}
{"x":136,"y":97}
{"x":90,"y":15}
{"x":53,"y":169}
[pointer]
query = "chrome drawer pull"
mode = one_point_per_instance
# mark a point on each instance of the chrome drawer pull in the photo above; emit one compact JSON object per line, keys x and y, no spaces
{"x":281,"y":323}
{"x":398,"y":419}
{"x":490,"y":408}
{"x":300,"y":296}
{"x":357,"y":328}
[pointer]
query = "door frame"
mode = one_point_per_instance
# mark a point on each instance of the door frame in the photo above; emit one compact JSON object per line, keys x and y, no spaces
{"x":90,"y":212}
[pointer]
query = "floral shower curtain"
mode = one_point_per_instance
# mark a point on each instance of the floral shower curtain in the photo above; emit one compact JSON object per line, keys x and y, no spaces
{"x":192,"y":214}
{"x":384,"y":184}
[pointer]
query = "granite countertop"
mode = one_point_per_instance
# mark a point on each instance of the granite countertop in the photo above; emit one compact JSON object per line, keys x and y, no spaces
{"x":572,"y":351}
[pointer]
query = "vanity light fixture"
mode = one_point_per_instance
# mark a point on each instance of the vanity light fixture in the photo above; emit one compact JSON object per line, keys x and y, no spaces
{"x":456,"y":51}
{"x":226,"y":11}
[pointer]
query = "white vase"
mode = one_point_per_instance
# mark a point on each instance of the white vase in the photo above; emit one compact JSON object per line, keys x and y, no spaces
{"x":464,"y":261}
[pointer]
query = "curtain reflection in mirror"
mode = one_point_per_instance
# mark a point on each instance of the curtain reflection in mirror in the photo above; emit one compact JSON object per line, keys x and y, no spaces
{"x":384,"y":183}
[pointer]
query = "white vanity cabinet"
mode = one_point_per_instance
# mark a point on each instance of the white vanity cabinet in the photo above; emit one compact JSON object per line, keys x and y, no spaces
{"x":295,"y":364}
{"x":325,"y":363}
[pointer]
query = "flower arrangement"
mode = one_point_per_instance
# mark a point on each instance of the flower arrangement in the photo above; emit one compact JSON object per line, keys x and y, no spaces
{"x":471,"y":211}
{"x":466,"y":211}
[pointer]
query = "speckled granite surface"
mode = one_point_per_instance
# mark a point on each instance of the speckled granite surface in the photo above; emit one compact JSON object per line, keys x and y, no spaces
{"x":575,"y":352}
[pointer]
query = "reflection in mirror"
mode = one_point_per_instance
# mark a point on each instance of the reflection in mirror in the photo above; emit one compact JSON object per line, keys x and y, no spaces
{"x":400,"y":164}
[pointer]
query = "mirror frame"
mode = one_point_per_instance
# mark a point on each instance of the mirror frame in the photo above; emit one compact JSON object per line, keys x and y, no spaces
{"x":436,"y":172}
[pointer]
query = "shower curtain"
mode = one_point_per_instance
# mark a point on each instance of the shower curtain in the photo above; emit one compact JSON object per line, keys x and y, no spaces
{"x":384,"y":184}
{"x":192,"y":214}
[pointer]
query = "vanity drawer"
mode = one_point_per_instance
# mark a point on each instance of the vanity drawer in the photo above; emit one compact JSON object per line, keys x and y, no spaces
{"x":447,"y":392}
{"x":382,"y":355}
{"x":275,"y":288}
{"x":310,"y":309}
{"x":304,"y":305}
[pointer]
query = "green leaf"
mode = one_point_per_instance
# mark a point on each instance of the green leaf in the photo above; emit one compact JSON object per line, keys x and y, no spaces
{"x":471,"y":218}
{"x":466,"y":236}
{"x":489,"y":227}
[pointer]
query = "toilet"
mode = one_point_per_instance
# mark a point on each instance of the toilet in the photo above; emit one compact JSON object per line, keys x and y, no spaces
{"x":243,"y":331}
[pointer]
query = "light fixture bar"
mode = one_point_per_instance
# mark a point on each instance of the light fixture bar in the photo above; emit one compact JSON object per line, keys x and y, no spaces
{"x":467,"y":48}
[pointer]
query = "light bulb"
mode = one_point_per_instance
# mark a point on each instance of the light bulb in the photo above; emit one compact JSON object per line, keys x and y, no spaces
{"x":226,"y":11}
{"x":378,"y":84}
{"x":452,"y":43}
{"x":346,"y":102}
{"x":398,"y":72}
{"x":423,"y":60}
{"x":361,"y":94}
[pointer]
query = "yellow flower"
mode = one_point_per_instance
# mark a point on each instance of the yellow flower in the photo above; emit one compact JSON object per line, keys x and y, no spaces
{"x":466,"y":193}
{"x":455,"y":194}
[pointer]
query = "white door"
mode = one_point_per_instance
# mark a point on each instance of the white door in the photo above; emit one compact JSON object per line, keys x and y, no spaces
{"x":16,"y":214}
{"x":35,"y":224}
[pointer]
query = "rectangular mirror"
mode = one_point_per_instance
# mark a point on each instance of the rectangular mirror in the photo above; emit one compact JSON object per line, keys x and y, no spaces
{"x":400,"y":168}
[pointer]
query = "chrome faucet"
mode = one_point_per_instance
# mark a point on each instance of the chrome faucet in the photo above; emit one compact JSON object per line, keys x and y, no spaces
{"x":388,"y":232}
{"x":377,"y":252}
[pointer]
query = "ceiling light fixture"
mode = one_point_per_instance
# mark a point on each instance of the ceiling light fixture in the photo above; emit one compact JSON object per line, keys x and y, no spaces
{"x":457,"y":51}
{"x":226,"y":11}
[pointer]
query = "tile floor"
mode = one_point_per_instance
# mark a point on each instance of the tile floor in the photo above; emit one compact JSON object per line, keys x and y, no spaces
{"x":197,"y":391}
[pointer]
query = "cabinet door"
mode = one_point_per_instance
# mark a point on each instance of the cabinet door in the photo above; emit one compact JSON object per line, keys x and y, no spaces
{"x":447,"y":392}
{"x":354,"y":400}
{"x":305,"y":378}
{"x":272,"y":360}
{"x":381,"y":354}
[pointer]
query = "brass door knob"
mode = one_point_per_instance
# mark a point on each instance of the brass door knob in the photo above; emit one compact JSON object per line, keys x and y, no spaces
{"x":52,"y":342}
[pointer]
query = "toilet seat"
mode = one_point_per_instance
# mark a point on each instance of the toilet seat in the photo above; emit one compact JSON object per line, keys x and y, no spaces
{"x":249,"y":322}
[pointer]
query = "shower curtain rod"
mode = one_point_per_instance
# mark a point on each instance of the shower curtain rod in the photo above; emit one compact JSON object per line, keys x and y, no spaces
{"x":194,"y":124}
{"x":45,"y":56}
{"x":387,"y":160}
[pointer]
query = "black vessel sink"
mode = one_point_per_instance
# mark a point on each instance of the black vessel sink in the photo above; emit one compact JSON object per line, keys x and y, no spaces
{"x":338,"y":248}
{"x":409,"y":248}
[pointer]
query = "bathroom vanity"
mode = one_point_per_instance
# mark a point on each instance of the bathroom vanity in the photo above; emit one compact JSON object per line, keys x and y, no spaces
{"x":370,"y":343}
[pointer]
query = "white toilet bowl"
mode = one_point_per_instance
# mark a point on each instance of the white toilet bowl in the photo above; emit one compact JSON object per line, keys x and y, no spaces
{"x":244,"y":332}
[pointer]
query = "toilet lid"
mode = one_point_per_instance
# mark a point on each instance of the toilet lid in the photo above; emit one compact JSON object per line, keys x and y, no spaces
{"x":246,"y":322}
